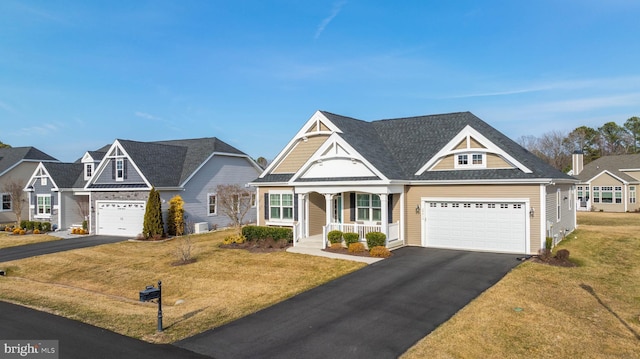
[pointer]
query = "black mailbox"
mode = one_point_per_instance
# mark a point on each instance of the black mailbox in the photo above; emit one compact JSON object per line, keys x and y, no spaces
{"x":149,"y":293}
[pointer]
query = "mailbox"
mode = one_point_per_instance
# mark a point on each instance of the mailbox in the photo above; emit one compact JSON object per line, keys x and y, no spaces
{"x":149,"y":293}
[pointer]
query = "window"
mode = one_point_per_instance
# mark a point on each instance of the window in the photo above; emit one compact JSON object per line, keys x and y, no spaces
{"x":632,"y":194}
{"x":43,"y":181}
{"x":88,"y":170}
{"x":119,"y":169}
{"x":253,"y":200}
{"x":212,"y":204}
{"x":558,"y":205}
{"x":470,"y":160}
{"x":368,"y":207}
{"x":44,"y":205}
{"x":281,"y":206}
{"x":618,"y":194}
{"x":596,"y":194}
{"x":6,"y":202}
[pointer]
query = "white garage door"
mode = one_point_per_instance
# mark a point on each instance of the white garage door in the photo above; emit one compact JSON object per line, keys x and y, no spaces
{"x":123,"y":218}
{"x":481,"y":226}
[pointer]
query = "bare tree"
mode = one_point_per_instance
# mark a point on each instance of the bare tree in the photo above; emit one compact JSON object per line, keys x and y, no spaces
{"x":551,"y":147}
{"x":234,"y":201}
{"x":15,"y":189}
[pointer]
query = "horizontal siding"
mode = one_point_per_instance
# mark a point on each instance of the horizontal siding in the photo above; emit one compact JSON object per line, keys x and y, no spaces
{"x":447,"y":163}
{"x":260,"y":209}
{"x":317,"y":213}
{"x":300,"y":154}
{"x":415,"y":193}
{"x":606,"y":180}
{"x":21,"y":174}
{"x":495,"y":161}
{"x":567,"y":215}
{"x":475,"y":144}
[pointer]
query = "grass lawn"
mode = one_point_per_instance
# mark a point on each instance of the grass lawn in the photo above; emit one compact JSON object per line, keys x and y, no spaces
{"x":100,"y":285}
{"x":9,"y":240}
{"x":539,"y":311}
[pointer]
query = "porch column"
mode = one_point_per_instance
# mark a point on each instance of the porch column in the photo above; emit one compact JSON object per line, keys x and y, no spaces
{"x":328,"y":199}
{"x":302,"y":216}
{"x":384,"y":216}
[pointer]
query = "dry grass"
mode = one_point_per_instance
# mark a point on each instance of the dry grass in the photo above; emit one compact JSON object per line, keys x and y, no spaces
{"x":591,"y":311}
{"x":8,"y":240}
{"x":100,"y":285}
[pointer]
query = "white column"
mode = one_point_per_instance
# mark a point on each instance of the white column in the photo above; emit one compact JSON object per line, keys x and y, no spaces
{"x":384,"y":215}
{"x":302,"y":215}
{"x":328,"y":206}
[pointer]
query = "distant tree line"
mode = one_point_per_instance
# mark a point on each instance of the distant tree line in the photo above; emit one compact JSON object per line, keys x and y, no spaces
{"x":556,"y":147}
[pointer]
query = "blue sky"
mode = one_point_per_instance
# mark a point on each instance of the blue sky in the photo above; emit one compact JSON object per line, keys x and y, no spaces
{"x":75,"y":75}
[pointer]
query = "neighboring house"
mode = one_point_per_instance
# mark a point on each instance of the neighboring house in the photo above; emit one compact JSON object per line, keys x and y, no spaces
{"x":56,"y":191}
{"x":444,"y":181}
{"x":608,"y":184}
{"x":16,"y":165}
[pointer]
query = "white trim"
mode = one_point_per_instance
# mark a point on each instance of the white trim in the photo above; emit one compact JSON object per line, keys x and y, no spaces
{"x":41,"y":168}
{"x":293,"y":206}
{"x":610,"y":174}
{"x":106,"y":160}
{"x":209,"y":214}
{"x":543,"y":216}
{"x":470,"y":165}
{"x":466,"y":132}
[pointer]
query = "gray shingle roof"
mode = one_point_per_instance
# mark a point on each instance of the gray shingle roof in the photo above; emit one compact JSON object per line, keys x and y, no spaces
{"x":10,"y":156}
{"x":400,"y":147}
{"x":170,"y":163}
{"x":612,"y":164}
{"x":66,"y":175}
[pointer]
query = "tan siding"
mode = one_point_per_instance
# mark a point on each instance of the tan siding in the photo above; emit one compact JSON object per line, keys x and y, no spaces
{"x":495,"y":161}
{"x":415,"y":193}
{"x":261,"y":192}
{"x":317,"y":214}
{"x":346,"y":207}
{"x":462,"y":145}
{"x":323,"y":127}
{"x":607,"y":180}
{"x":446,"y":163}
{"x":395,"y":209}
{"x":300,"y":154}
{"x":475,"y":144}
{"x":313,"y":128}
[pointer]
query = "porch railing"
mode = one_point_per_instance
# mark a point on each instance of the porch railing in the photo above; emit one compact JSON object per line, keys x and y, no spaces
{"x":297,"y":233}
{"x":393,"y":230}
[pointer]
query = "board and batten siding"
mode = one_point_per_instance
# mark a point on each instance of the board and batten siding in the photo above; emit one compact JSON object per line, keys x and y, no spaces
{"x":220,"y":169}
{"x":299,"y":154}
{"x":415,"y":193}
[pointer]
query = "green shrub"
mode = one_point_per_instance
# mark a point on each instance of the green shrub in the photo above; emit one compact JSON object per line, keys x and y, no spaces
{"x":28,"y":225}
{"x":85,"y":225}
{"x":380,"y":252}
{"x":548,"y":244}
{"x":375,"y":239}
{"x":350,"y":237}
{"x":153,"y":226}
{"x":37,"y":225}
{"x":46,"y":226}
{"x":258,"y":233}
{"x":356,"y":247}
{"x":23,"y":223}
{"x":335,"y":236}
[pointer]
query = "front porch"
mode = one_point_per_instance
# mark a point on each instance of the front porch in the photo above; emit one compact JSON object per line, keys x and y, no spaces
{"x":319,"y":241}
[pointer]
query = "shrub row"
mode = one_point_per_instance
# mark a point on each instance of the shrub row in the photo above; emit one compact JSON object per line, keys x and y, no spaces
{"x":257,"y":233}
{"x":40,"y":226}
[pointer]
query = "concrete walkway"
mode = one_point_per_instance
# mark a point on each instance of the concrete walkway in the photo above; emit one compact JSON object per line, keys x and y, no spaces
{"x":321,"y":253}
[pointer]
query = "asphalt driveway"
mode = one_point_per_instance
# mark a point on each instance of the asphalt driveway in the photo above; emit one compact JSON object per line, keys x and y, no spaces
{"x":37,"y":249}
{"x":379,"y":311}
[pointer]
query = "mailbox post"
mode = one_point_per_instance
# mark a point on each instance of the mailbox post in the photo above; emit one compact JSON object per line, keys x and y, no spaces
{"x":150,"y":293}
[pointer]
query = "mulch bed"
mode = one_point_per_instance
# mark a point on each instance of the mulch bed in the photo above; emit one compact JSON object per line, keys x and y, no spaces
{"x":553,"y":261}
{"x":343,"y":250}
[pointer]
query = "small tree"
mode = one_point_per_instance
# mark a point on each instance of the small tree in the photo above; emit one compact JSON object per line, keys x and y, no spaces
{"x":234,"y":201}
{"x":15,"y":189}
{"x":153,"y":226}
{"x":175,"y":216}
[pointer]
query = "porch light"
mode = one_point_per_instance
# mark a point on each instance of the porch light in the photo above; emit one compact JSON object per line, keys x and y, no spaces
{"x":531,"y":212}
{"x":418,"y":209}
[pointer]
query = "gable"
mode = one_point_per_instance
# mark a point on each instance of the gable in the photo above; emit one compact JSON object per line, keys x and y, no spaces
{"x":470,"y":150}
{"x":336,"y":159}
{"x":117,"y":170}
{"x":304,"y":148}
{"x":606,"y":178}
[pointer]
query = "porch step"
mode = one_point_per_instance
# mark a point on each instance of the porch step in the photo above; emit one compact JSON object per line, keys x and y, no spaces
{"x":310,"y":242}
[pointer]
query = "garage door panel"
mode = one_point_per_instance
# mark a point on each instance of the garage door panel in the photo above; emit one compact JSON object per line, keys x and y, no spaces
{"x":485,"y":226}
{"x":123,"y":218}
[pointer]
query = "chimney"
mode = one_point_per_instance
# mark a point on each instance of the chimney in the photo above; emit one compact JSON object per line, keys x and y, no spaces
{"x":577,"y":162}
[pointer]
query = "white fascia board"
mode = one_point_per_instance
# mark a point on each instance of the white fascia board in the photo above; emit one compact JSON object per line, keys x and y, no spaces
{"x":610,"y":174}
{"x":490,"y":147}
{"x":628,"y":169}
{"x":336,"y":139}
{"x":488,"y":181}
{"x":32,"y":179}
{"x":379,"y":188}
{"x":107,"y":158}
{"x":87,"y":158}
{"x":317,"y":116}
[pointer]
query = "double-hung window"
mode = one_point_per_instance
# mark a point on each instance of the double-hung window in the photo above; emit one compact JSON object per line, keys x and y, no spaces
{"x":281,"y":206}
{"x":368,"y":207}
{"x":43,"y":207}
{"x":119,"y":169}
{"x":632,"y":194}
{"x":212,"y":204}
{"x":6,"y":202}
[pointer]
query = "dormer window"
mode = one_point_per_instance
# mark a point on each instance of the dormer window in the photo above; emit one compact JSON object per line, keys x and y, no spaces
{"x":471,"y":160}
{"x":119,"y":169}
{"x":88,"y":170}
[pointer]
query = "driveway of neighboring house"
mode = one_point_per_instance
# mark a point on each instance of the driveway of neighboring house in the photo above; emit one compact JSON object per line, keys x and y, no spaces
{"x":36,"y":249}
{"x":379,"y":311}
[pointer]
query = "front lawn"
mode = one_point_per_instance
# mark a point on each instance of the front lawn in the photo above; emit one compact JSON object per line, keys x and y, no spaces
{"x":11,"y":240}
{"x":101,"y":285}
{"x":539,"y":311}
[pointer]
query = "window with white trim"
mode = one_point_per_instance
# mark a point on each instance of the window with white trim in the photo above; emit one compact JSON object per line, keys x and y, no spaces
{"x":212,"y":204}
{"x":253,"y":200}
{"x":6,"y":202}
{"x":470,"y":160}
{"x":119,"y":169}
{"x":281,"y":206}
{"x":368,"y":207}
{"x":596,"y":194}
{"x":632,"y":194}
{"x":607,"y":194}
{"x":43,"y":206}
{"x":88,"y":170}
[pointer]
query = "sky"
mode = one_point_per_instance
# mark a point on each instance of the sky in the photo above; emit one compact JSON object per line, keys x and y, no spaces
{"x":76,"y":75}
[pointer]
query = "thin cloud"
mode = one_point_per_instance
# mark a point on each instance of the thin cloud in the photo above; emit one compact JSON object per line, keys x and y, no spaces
{"x":44,"y":129}
{"x":334,"y":12}
{"x":147,"y":116}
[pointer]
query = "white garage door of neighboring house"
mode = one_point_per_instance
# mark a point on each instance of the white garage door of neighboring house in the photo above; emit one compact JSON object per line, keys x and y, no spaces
{"x":121,"y":218}
{"x":479,"y":225}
